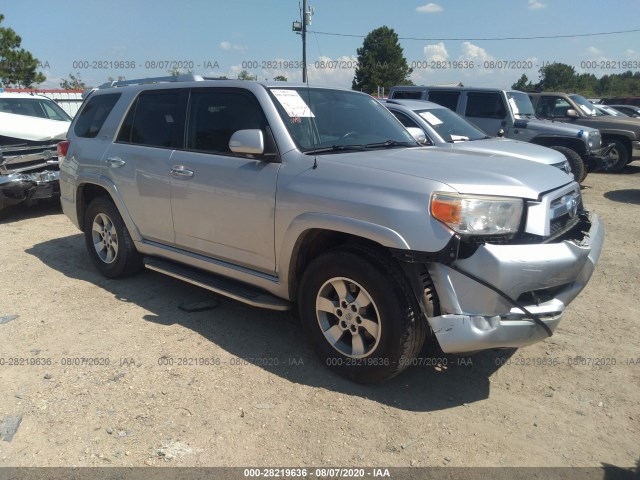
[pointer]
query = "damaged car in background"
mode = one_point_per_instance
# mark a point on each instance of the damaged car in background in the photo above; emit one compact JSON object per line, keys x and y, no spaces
{"x":30,"y":128}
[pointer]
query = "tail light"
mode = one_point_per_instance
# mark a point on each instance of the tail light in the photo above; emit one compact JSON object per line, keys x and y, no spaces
{"x":63,"y":148}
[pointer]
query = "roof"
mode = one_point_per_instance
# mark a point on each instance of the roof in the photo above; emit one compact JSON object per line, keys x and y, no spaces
{"x":413,"y":104}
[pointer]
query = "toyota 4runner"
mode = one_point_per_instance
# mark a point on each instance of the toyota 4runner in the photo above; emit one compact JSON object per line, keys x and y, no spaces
{"x":279,"y":195}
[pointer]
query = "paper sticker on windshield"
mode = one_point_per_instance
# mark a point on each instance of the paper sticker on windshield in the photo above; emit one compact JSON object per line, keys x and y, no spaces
{"x":293,"y":103}
{"x":431,"y":118}
{"x":586,"y":110}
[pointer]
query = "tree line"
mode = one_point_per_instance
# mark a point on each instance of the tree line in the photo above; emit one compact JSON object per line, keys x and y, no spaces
{"x":560,"y":77}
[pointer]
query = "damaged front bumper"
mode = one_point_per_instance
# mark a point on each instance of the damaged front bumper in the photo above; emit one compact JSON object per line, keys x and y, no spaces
{"x":16,"y":188}
{"x":28,"y":172}
{"x":594,"y":161}
{"x":544,"y":278}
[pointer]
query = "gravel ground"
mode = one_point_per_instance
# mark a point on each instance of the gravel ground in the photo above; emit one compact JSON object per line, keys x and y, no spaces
{"x":100,"y":378}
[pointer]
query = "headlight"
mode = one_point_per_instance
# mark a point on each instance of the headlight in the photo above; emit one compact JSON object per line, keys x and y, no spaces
{"x":477,"y":214}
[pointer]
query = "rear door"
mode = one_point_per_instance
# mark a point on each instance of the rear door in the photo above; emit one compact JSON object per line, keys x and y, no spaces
{"x":139,"y":162}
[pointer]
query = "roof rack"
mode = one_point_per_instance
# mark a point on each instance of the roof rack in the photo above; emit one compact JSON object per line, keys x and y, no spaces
{"x":189,"y":77}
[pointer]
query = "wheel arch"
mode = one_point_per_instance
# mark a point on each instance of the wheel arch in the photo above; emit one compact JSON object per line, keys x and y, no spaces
{"x":550,"y":141}
{"x":92,"y":188}
{"x":311,"y":235}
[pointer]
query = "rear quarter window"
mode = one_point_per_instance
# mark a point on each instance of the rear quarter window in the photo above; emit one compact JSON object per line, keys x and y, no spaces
{"x":94,"y":113}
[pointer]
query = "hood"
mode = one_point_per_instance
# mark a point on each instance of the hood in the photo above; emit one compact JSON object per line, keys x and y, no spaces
{"x":513,"y":149}
{"x":474,"y":173}
{"x":609,"y":122}
{"x":34,"y":129}
{"x":557,"y":127}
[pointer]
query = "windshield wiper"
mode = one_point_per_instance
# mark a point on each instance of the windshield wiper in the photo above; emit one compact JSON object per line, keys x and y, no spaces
{"x":388,"y":143}
{"x":337,"y":148}
{"x":524,"y":114}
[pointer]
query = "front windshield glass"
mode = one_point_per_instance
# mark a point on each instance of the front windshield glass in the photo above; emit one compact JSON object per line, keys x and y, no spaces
{"x":585,"y":105}
{"x":34,"y":107}
{"x":450,"y":126}
{"x":520,"y":103}
{"x":338,"y":120}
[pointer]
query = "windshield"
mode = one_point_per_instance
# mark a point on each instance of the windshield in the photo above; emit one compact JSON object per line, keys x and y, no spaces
{"x":34,"y":107}
{"x":520,"y":103}
{"x":450,"y":126}
{"x":585,"y":105}
{"x":337,"y":119}
{"x":602,"y":110}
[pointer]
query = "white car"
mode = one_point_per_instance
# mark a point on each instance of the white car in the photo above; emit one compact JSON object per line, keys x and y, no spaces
{"x":30,"y":128}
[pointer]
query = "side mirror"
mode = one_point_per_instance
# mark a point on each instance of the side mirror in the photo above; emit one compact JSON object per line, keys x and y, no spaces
{"x":571,"y":113}
{"x":418,"y":135}
{"x":520,"y":123}
{"x":250,"y":142}
{"x":500,"y":133}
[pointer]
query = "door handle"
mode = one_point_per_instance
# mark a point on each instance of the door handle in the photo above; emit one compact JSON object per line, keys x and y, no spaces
{"x":115,"y":162}
{"x":181,"y":172}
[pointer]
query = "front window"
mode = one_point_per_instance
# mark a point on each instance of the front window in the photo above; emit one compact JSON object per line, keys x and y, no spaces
{"x":520,"y":103}
{"x":450,"y":126}
{"x":585,"y":105}
{"x":337,"y":120}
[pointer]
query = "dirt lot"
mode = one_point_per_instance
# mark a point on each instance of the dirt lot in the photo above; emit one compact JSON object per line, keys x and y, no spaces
{"x":265,"y":400}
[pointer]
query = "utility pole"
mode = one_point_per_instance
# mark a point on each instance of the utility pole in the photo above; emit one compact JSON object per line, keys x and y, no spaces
{"x":304,"y":40}
{"x":301,"y":28}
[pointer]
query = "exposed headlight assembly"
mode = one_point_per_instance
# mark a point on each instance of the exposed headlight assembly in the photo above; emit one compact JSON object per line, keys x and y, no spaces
{"x":477,"y":214}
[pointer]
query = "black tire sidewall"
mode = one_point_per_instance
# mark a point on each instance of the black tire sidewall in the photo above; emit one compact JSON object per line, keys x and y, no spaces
{"x":623,"y":158}
{"x":578,"y":168}
{"x":385,"y":361}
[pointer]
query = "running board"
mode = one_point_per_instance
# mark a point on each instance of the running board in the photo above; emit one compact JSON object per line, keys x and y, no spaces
{"x":221,"y":285}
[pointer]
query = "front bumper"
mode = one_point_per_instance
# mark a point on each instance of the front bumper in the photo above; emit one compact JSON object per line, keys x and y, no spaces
{"x":544,"y":278}
{"x":596,"y":159}
{"x":15,"y":188}
{"x":635,"y":149}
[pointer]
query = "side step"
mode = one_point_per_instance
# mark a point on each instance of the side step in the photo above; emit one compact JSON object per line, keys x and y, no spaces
{"x":224,"y":286}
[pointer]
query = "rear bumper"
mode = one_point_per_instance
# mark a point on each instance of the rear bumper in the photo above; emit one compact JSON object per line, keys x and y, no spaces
{"x":545,"y":278}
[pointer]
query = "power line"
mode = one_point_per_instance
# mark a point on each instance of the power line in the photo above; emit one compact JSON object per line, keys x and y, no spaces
{"x":487,"y":39}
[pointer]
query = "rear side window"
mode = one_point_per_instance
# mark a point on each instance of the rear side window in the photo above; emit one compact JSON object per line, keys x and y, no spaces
{"x":215,"y":115}
{"x":404,"y":120}
{"x":155,"y":119}
{"x":400,"y":95}
{"x":94,"y":113}
{"x":446,"y":99}
{"x":485,"y":105}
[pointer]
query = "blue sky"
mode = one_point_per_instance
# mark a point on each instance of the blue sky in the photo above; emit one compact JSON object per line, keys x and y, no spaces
{"x":221,"y":37}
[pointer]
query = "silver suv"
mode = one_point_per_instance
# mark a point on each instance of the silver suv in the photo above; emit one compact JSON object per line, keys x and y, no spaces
{"x":509,"y":113}
{"x":280,"y":195}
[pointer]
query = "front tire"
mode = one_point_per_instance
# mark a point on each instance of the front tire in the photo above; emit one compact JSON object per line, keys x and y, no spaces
{"x":618,"y":158}
{"x":575,"y":162}
{"x":108,"y":241}
{"x":358,"y":309}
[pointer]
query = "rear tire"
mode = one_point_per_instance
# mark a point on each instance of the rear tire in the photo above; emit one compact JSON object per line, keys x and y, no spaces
{"x":618,"y":158}
{"x":575,"y":163}
{"x":108,"y":241}
{"x":358,"y":309}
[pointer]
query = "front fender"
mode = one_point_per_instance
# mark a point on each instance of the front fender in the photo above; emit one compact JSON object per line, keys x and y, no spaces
{"x":323,"y":221}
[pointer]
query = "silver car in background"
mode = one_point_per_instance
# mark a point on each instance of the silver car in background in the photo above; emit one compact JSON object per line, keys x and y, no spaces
{"x":445,"y":128}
